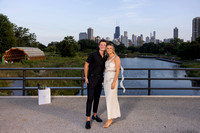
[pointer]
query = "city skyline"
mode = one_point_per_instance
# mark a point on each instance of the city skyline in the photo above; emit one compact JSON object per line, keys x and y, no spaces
{"x":135,"y":40}
{"x":54,"y":20}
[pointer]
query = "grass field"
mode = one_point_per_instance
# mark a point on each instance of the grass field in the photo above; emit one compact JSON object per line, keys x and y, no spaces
{"x":51,"y":61}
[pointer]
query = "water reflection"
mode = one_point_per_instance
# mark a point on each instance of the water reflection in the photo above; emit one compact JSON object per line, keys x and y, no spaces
{"x":153,"y":63}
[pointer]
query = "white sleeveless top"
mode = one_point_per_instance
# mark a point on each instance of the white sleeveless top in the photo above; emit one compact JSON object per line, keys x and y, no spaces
{"x":110,"y":67}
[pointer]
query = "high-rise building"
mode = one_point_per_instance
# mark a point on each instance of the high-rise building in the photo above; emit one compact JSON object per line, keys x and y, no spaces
{"x":139,"y":40}
{"x":90,"y":33}
{"x":130,"y":43}
{"x":125,"y":39}
{"x":134,"y":40}
{"x":117,"y":32}
{"x":167,"y":40}
{"x":82,"y":35}
{"x":126,"y":33}
{"x":175,"y":32}
{"x":195,"y":28}
{"x":153,"y":38}
{"x":97,"y":39}
{"x":147,"y":40}
{"x":154,"y":34}
{"x":116,"y":42}
{"x":107,"y":38}
{"x":122,"y":39}
{"x":157,"y":41}
{"x":141,"y":37}
{"x":133,"y":37}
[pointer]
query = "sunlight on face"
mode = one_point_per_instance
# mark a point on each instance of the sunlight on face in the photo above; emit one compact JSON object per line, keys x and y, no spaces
{"x":102,"y":46}
{"x":109,"y":49}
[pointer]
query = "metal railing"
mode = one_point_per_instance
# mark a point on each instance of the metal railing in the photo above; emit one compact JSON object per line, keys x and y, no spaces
{"x":82,"y":78}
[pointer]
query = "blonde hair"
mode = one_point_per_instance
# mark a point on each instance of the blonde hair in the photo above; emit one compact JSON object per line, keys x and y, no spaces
{"x":113,"y":48}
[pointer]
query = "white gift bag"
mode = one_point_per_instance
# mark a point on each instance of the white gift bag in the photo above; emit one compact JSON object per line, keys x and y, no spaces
{"x":44,"y":96}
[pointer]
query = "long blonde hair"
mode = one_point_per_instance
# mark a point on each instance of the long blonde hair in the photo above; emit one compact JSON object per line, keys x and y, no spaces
{"x":113,"y":48}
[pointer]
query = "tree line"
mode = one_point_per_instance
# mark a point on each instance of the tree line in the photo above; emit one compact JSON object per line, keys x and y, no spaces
{"x":184,"y":50}
{"x":13,"y":36}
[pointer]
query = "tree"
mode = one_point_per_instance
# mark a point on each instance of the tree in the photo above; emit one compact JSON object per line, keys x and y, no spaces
{"x":149,"y":48}
{"x":189,"y":50}
{"x":23,"y":37}
{"x":197,"y":39}
{"x":68,"y":47}
{"x":51,"y":49}
{"x":121,"y":49}
{"x":176,"y":41}
{"x":52,"y":44}
{"x":41,"y":46}
{"x":132,"y":49}
{"x":171,"y":48}
{"x":87,"y":44}
{"x":7,"y":38}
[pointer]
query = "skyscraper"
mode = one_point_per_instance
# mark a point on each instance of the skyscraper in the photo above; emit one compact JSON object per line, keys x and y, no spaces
{"x":117,"y":32}
{"x":90,"y":33}
{"x":122,"y":38}
{"x":125,"y":33}
{"x":134,"y":39}
{"x":154,"y":34}
{"x":116,"y":42}
{"x":97,"y":39}
{"x":153,"y":38}
{"x":195,"y":28}
{"x":147,"y":40}
{"x":125,"y":39}
{"x":82,"y":35}
{"x":107,"y":38}
{"x":175,"y":32}
{"x":139,"y":40}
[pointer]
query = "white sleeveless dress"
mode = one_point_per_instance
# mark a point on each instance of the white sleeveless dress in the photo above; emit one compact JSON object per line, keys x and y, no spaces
{"x":112,"y":103}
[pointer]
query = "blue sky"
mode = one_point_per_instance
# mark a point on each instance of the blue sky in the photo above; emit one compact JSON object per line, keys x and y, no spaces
{"x":52,"y":20}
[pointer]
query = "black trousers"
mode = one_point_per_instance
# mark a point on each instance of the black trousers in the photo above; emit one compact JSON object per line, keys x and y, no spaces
{"x":94,"y":88}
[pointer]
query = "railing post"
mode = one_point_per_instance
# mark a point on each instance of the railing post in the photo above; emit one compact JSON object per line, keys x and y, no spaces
{"x":149,"y":81}
{"x":24,"y":81}
{"x":82,"y":82}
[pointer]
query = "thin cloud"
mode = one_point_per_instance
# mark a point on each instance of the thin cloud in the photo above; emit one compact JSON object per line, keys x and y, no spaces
{"x":132,"y":4}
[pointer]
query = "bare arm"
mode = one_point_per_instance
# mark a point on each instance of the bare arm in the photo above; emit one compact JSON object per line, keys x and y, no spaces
{"x":117,"y":66}
{"x":86,"y":72}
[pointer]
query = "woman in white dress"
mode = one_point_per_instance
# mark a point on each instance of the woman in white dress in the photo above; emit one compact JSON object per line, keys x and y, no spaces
{"x":112,"y":69}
